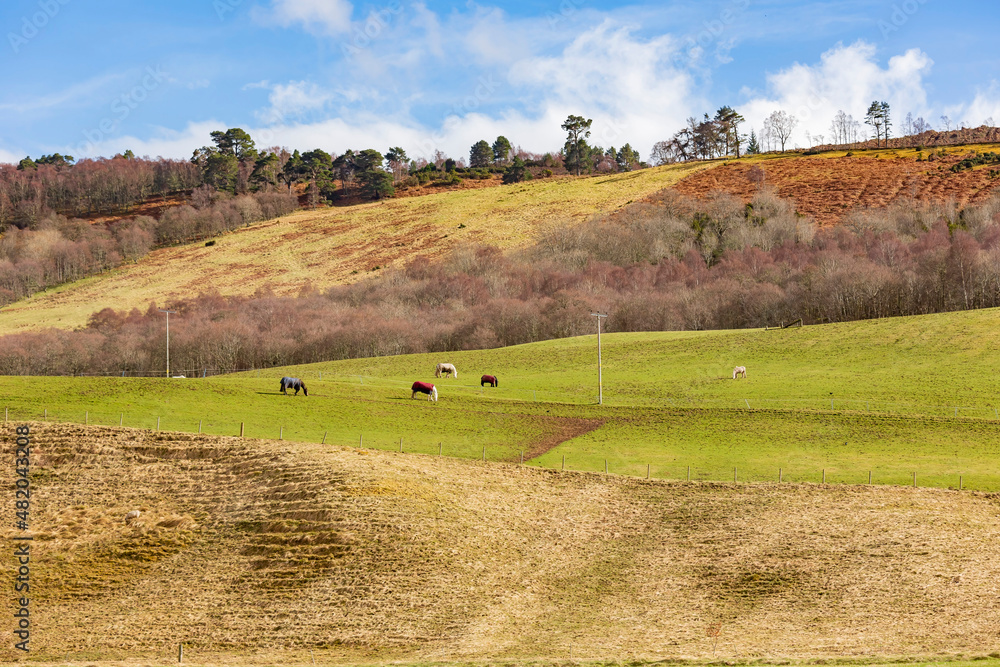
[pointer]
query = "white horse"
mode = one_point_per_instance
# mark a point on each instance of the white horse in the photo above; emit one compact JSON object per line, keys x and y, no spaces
{"x":739,"y":371}
{"x":448,"y":369}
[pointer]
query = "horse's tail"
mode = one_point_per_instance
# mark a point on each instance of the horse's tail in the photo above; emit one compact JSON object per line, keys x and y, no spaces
{"x":437,"y":371}
{"x":305,"y":392}
{"x":434,"y":394}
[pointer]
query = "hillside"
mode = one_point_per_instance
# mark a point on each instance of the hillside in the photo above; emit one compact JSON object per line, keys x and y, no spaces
{"x":263,"y":552}
{"x":830,"y":186}
{"x":327,"y":247}
{"x":895,"y":398}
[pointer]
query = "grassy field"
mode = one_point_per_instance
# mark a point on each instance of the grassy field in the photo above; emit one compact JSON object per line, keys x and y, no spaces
{"x":893,"y":397}
{"x":332,"y":246}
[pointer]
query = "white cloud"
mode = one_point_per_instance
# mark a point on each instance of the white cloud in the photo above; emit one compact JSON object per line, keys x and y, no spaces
{"x":330,"y":17}
{"x":847,"y":78}
{"x":985,"y":105}
{"x":8,"y":157}
{"x":164,"y":142}
{"x":293,"y":100}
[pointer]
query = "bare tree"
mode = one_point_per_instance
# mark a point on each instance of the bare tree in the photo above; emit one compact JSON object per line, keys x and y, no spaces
{"x":946,"y":123}
{"x":920,"y":125}
{"x":779,"y":126}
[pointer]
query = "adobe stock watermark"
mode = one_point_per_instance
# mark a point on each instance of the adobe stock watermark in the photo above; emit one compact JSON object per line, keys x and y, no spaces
{"x":121,"y":108}
{"x":901,"y":14}
{"x":486,"y":88}
{"x":224,"y":7}
{"x":33,"y":24}
{"x":371,"y":28}
{"x":711,"y":33}
{"x":567,"y":8}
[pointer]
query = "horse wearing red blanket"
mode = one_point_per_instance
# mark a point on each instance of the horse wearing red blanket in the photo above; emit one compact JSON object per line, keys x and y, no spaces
{"x":490,"y":380}
{"x":424,"y":388}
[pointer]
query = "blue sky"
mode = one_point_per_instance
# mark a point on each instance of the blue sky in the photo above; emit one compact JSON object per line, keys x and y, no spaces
{"x":95,"y":77}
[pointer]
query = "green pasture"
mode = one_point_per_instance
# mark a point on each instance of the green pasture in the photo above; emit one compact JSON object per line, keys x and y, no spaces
{"x":895,"y":398}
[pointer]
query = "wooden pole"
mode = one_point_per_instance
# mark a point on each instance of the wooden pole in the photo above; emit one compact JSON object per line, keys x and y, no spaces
{"x":605,"y":466}
{"x":689,"y":473}
{"x":522,"y":457}
{"x":779,"y":475}
{"x":484,"y":455}
{"x":281,"y":432}
{"x":157,"y":423}
{"x":914,"y":480}
{"x":241,"y":429}
{"x":361,"y":442}
{"x":180,"y":653}
{"x":869,"y":477}
{"x":647,"y":471}
{"x":400,"y":445}
{"x":824,"y":475}
{"x":5,"y":414}
{"x":121,"y":420}
{"x":86,"y":417}
{"x":959,"y":482}
{"x":441,"y":447}
{"x":734,"y":473}
{"x":199,"y":425}
{"x":564,"y":462}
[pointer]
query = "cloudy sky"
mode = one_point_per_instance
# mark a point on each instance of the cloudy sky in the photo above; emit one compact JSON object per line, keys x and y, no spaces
{"x":95,"y":77}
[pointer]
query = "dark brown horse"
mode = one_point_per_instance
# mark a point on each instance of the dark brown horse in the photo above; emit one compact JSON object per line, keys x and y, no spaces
{"x":293,"y":383}
{"x":490,"y":380}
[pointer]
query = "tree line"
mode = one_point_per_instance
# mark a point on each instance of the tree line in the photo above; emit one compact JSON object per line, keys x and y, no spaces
{"x":668,"y":264}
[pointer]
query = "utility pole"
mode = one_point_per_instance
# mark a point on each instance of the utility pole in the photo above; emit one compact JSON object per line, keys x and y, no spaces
{"x":600,"y":387}
{"x":168,"y":337}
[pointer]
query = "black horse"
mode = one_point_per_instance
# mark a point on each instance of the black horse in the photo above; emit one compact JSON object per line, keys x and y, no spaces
{"x":293,"y":383}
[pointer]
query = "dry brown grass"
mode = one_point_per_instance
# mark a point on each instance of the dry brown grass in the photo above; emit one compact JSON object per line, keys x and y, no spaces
{"x":829,"y":187}
{"x":260,"y":552}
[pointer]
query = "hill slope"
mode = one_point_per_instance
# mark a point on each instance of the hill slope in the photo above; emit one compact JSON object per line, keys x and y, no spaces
{"x":260,"y":551}
{"x":831,"y":185}
{"x":327,"y":247}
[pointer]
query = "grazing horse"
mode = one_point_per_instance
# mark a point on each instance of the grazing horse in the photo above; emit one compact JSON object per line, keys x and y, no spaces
{"x":293,"y":383}
{"x":448,"y":369}
{"x":424,"y":388}
{"x":739,"y":371}
{"x":491,"y":380}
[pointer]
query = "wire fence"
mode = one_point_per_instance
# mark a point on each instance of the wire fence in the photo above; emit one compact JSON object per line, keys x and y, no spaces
{"x":754,"y":472}
{"x":587,"y":396}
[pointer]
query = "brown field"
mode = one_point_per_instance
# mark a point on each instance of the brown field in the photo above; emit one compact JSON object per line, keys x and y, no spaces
{"x":255,"y":551}
{"x":829,"y":187}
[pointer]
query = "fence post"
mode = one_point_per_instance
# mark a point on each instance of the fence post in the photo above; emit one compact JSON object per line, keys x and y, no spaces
{"x":914,"y":480}
{"x":361,"y":441}
{"x":869,"y":477}
{"x":157,"y":423}
{"x":484,"y":455}
{"x":734,"y":473}
{"x":86,"y":417}
{"x":441,"y":446}
{"x":204,"y":372}
{"x":564,"y":462}
{"x":748,"y":403}
{"x":5,"y":413}
{"x":324,"y":438}
{"x":45,"y":414}
{"x":647,"y":471}
{"x":605,"y":466}
{"x":241,"y":429}
{"x":281,"y":432}
{"x":534,"y":395}
{"x":400,"y":445}
{"x":824,"y":475}
{"x":180,"y":653}
{"x":779,"y":475}
{"x":199,"y":425}
{"x":121,"y":420}
{"x":522,"y":457}
{"x":959,"y":482}
{"x":689,"y":473}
